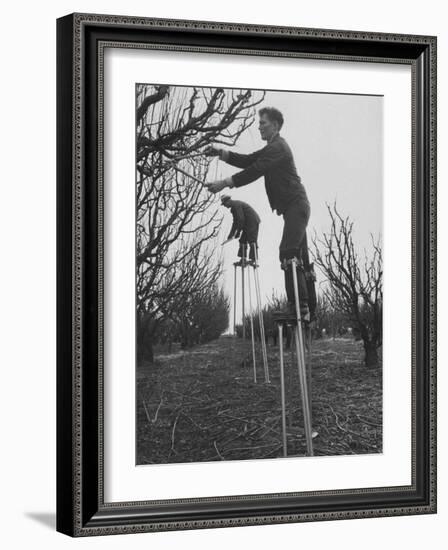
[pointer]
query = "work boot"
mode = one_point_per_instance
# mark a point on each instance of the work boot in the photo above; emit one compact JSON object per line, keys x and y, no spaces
{"x":289,"y":313}
{"x":284,"y":314}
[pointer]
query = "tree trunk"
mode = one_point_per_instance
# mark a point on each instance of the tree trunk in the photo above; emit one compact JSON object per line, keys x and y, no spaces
{"x":371,"y":356}
{"x":145,"y":350}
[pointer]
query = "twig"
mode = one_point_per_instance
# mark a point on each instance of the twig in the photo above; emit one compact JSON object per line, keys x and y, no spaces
{"x":276,"y":448}
{"x":221,"y":422}
{"x":190,"y":397}
{"x":264,"y":425}
{"x":217,"y":451}
{"x":239,"y":434}
{"x":250,"y":448}
{"x":368,"y":422}
{"x":146,"y":411}
{"x":172,"y":434}
{"x":271,"y":429}
{"x":236,"y":417}
{"x":324,"y":428}
{"x":154,"y":420}
{"x":346,"y":430}
{"x":194,"y":422}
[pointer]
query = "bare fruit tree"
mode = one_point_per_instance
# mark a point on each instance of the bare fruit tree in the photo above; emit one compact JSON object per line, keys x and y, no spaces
{"x":355,"y":285}
{"x":177,"y":218}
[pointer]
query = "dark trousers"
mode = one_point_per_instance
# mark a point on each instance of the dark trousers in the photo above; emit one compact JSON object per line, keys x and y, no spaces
{"x":248,"y":240}
{"x":296,"y":220}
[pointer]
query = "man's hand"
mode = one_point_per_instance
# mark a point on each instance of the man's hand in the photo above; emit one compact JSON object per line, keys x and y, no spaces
{"x":211,"y":151}
{"x":216,"y":186}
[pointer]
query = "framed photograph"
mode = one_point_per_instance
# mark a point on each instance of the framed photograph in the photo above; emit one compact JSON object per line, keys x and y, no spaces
{"x":246,"y":274}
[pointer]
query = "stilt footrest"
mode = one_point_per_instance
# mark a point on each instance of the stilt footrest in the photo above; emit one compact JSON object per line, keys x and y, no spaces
{"x":287,"y":318}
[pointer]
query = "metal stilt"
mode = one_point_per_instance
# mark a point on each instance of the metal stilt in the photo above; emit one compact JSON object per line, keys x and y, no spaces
{"x":282,"y":389}
{"x":286,"y":319}
{"x":309,"y":368}
{"x":244,"y":263}
{"x":252,"y":327}
{"x":234,"y":300}
{"x":242,"y":298}
{"x":301,"y":362}
{"x":260,"y":315}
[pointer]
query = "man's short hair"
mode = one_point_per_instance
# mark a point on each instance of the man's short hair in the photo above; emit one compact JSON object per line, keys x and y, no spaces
{"x":273,"y":114}
{"x":225,"y":199}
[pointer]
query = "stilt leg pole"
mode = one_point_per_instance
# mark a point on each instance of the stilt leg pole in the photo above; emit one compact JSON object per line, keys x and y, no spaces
{"x":309,"y":366}
{"x":234,"y":300}
{"x":242,"y":298}
{"x":282,"y":388}
{"x":260,"y":316}
{"x":252,"y":327}
{"x":301,"y":363}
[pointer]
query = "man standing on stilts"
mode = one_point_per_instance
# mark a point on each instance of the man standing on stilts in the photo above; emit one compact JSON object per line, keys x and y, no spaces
{"x":245,"y":226}
{"x":286,"y":194}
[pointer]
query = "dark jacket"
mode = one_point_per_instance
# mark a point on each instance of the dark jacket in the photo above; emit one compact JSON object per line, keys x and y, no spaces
{"x":245,"y":218}
{"x":276,"y":163}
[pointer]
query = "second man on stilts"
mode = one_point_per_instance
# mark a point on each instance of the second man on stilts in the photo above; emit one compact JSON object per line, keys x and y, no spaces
{"x":245,"y":227}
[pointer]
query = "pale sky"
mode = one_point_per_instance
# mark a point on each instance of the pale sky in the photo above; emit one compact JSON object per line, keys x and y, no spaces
{"x":337,"y":143}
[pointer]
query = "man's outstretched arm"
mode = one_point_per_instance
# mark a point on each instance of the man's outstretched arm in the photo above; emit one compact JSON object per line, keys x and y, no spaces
{"x":234,"y":159}
{"x":265,"y":159}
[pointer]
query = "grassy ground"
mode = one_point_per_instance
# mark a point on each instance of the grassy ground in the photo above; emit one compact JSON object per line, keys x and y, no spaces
{"x":203,"y":404}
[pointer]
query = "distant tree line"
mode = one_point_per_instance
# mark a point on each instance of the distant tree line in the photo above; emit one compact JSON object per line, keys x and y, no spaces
{"x":201,"y":318}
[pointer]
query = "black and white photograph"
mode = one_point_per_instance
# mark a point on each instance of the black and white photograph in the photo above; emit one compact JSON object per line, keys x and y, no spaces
{"x":259,"y":274}
{"x":220,"y":264}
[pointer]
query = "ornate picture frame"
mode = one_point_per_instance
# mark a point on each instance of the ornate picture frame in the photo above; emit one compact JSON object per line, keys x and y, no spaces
{"x":81,"y":506}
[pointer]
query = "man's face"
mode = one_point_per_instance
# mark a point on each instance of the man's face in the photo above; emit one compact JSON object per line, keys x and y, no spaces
{"x":268,"y":128}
